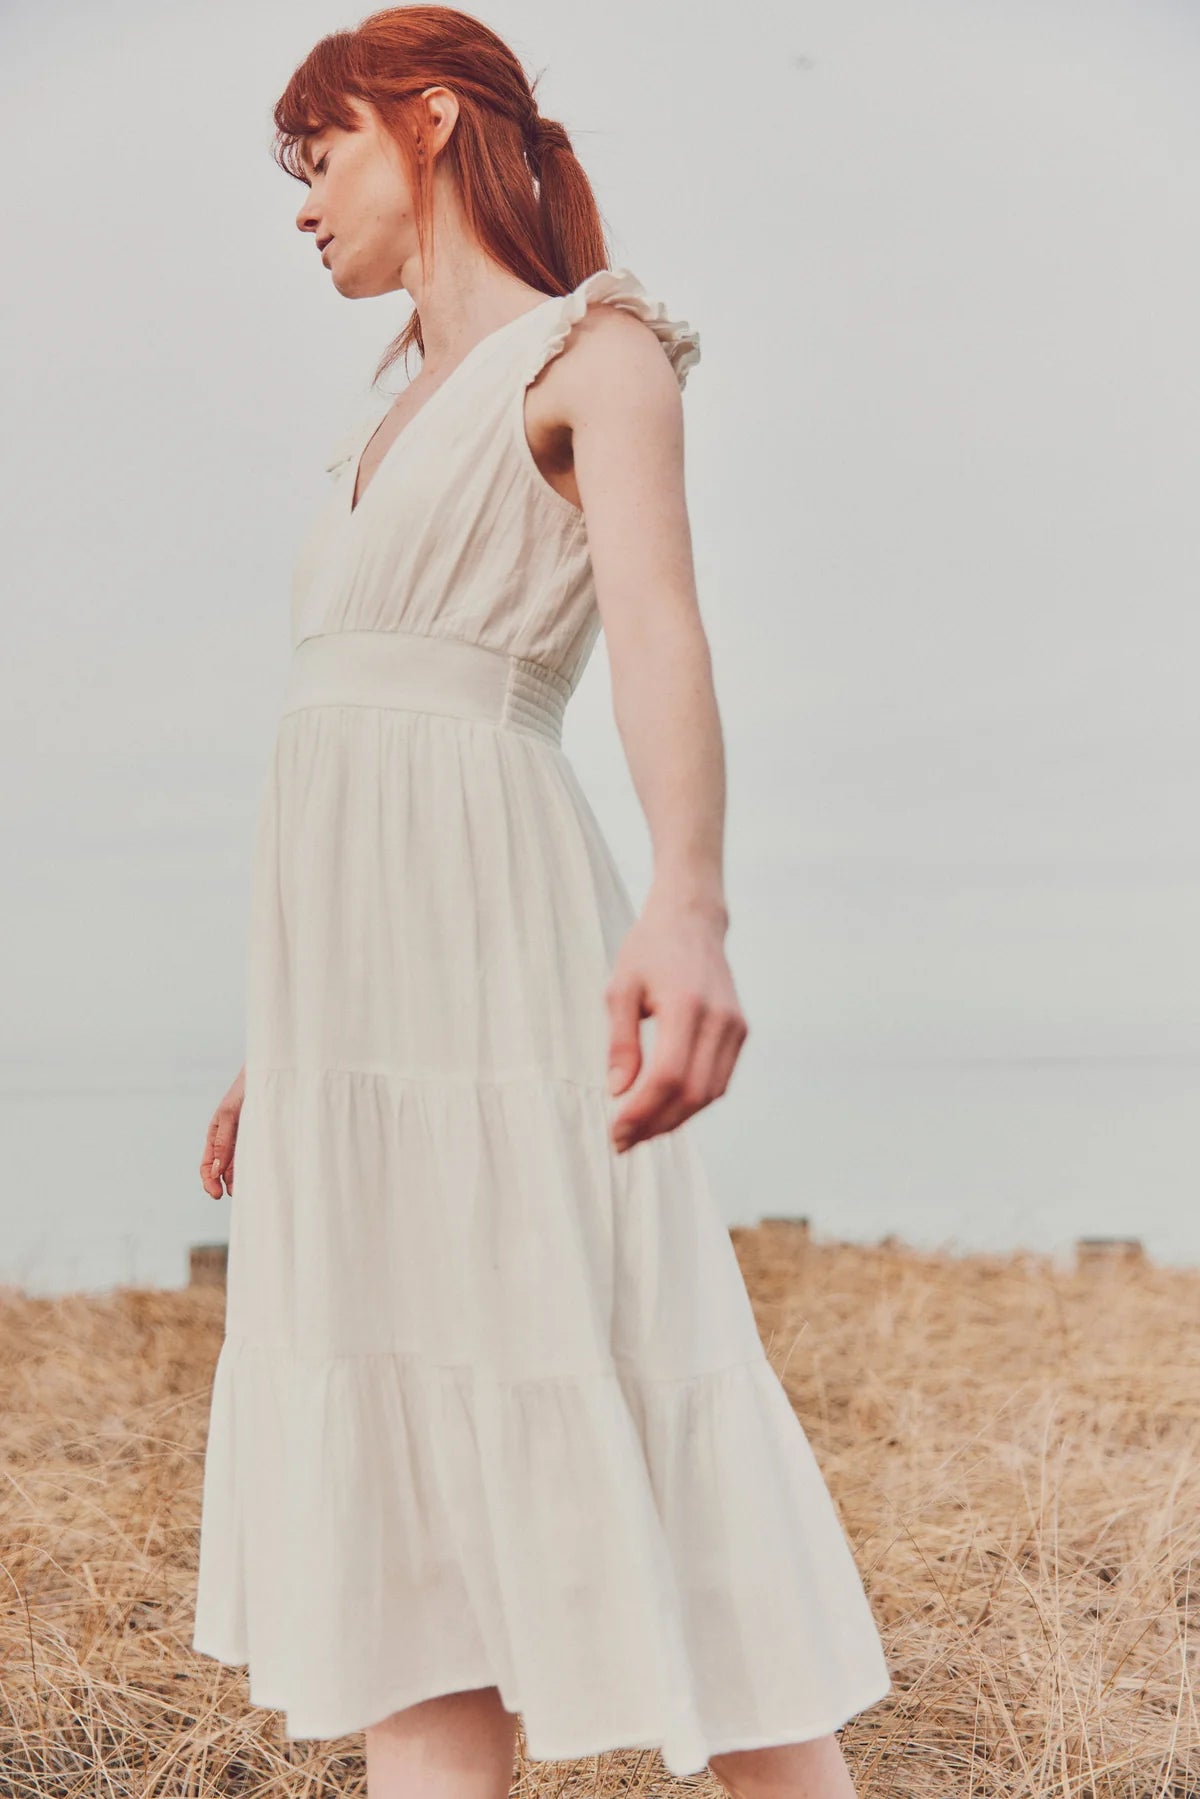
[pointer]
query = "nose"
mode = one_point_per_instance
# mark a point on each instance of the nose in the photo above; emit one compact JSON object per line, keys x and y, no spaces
{"x":306,"y":219}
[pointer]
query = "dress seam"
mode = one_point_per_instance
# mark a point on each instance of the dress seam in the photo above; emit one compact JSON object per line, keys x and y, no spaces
{"x":543,"y":668}
{"x":500,"y":727}
{"x":538,"y":1076}
{"x":604,"y":1370}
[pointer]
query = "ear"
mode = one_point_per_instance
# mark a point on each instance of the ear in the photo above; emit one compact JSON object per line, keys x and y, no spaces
{"x":442,"y":109}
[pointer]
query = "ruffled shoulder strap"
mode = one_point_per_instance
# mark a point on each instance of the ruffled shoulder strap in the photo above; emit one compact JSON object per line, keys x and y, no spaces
{"x":615,"y":287}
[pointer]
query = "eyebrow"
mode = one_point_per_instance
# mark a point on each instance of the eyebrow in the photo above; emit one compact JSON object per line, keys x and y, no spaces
{"x":305,"y":142}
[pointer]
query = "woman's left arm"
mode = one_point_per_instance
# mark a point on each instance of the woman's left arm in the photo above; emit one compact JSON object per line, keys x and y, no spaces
{"x":621,"y":400}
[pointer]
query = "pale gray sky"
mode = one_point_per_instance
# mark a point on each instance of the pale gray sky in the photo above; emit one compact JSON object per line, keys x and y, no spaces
{"x":942,"y":465}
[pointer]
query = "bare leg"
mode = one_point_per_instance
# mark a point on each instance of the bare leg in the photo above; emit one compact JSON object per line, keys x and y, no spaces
{"x":454,"y":1746}
{"x":812,"y":1770}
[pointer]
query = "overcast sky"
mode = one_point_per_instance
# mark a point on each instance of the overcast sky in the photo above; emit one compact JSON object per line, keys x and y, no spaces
{"x":942,"y":467}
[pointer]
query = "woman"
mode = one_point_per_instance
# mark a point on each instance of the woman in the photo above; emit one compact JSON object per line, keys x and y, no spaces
{"x":492,"y":1428}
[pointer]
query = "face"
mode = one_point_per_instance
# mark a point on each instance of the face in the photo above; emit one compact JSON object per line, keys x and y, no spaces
{"x":358,"y":203}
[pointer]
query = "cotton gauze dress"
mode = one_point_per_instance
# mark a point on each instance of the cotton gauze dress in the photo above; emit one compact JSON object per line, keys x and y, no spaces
{"x":491,"y":1406}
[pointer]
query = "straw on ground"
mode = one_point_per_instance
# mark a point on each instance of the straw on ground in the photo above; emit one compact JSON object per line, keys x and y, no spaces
{"x":1014,"y":1449}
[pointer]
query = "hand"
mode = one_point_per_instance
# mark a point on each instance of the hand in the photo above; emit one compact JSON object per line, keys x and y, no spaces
{"x":671,"y":966}
{"x":216,"y":1164}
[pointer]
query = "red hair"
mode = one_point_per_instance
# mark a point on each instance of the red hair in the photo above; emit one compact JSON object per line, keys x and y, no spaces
{"x":523,"y":191}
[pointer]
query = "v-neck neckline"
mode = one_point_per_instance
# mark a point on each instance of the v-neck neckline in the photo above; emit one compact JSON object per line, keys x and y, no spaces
{"x":355,"y":507}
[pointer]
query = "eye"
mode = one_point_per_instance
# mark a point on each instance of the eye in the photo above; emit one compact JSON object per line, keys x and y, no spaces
{"x":318,"y":166}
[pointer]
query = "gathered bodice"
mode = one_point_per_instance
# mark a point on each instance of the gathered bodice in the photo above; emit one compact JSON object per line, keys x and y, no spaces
{"x":457,"y":533}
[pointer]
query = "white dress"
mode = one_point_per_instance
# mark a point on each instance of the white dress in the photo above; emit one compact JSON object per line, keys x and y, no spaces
{"x":491,"y":1406}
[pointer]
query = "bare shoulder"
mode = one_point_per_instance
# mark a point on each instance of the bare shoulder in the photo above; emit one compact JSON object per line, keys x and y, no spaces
{"x":613,"y":336}
{"x":610,"y":357}
{"x":609,"y":385}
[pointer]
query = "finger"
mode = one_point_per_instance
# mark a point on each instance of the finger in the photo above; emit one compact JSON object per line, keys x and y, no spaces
{"x":222,"y":1151}
{"x":732,"y":1038}
{"x":716,"y":1051}
{"x":717,"y":1041}
{"x":672,"y":1111}
{"x":208,"y":1178}
{"x":626,"y":1010}
{"x":666,"y":1075}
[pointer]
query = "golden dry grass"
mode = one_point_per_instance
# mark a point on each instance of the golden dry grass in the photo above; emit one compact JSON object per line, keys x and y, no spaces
{"x":1013,"y":1447}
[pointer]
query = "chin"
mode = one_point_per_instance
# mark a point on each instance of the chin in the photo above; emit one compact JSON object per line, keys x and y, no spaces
{"x":374,"y":290}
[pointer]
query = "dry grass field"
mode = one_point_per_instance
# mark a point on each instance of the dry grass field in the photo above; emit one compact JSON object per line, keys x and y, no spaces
{"x":1014,"y":1448}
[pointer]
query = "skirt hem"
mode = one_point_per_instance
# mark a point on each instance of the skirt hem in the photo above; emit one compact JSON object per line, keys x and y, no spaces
{"x":538,"y":1748}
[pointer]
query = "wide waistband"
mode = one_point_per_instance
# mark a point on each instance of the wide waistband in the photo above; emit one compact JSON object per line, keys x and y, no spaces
{"x":417,"y":673}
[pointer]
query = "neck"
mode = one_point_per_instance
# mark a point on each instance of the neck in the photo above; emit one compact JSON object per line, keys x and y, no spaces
{"x":466,"y":294}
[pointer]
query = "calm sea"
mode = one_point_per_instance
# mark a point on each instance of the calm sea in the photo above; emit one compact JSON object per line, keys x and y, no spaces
{"x":103,"y":1190}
